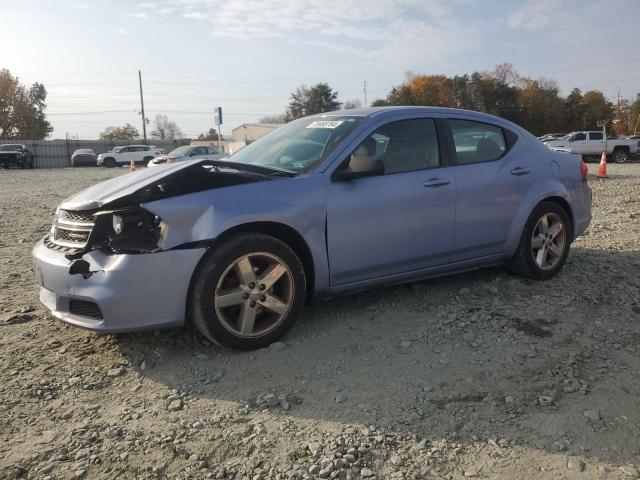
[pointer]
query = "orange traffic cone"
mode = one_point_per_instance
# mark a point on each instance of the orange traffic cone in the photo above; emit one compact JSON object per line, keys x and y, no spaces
{"x":602,"y":169}
{"x":132,"y":166}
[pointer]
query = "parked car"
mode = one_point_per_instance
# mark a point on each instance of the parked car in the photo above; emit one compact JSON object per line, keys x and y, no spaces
{"x":83,"y":157}
{"x":593,"y":143}
{"x":187,"y":152}
{"x":323,"y":205}
{"x":140,"y":154}
{"x":15,"y":155}
{"x":552,"y":136}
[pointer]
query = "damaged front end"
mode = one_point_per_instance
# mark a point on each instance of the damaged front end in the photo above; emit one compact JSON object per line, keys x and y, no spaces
{"x":114,"y":220}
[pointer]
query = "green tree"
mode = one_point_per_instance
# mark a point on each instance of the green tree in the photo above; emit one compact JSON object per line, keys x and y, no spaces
{"x":541,"y":108}
{"x":635,"y":115}
{"x":318,"y":98}
{"x":22,"y":109}
{"x":126,"y":132}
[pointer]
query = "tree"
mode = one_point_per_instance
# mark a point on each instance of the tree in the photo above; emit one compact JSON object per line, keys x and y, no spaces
{"x":542,"y":110}
{"x":22,"y":109}
{"x":635,"y":115}
{"x":318,"y":98}
{"x":127,"y":132}
{"x":165,"y":129}
{"x":595,"y":108}
{"x":282,"y":118}
{"x":211,"y":136}
{"x":573,"y":111}
{"x":351,"y":104}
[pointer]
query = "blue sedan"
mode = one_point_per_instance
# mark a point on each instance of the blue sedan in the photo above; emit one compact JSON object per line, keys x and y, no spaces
{"x":323,"y":205}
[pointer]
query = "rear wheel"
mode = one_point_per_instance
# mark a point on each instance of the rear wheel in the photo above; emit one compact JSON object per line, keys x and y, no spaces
{"x":544,"y":245}
{"x":247,"y":292}
{"x":31,"y":163}
{"x":109,"y":162}
{"x":620,"y":156}
{"x":146,"y":160}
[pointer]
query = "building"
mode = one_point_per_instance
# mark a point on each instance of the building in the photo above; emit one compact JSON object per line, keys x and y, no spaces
{"x":249,"y":132}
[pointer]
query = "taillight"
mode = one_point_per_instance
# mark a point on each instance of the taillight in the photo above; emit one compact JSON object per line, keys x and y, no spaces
{"x":584,"y":171}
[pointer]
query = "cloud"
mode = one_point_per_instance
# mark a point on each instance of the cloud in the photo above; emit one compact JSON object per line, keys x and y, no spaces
{"x":141,"y":15}
{"x":397,"y":31}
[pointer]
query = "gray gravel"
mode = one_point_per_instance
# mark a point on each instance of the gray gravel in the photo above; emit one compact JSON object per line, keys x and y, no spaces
{"x":479,"y":375}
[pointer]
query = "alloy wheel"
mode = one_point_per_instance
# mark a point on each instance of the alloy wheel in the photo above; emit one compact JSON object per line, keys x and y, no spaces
{"x":548,"y":241}
{"x":254,"y":294}
{"x":619,"y":157}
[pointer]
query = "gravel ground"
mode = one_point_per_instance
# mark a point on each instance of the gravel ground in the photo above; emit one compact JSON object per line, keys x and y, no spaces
{"x":481,"y":374}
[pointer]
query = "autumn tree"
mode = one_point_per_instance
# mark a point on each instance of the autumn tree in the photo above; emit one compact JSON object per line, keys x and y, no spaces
{"x":541,"y":108}
{"x":594,"y":108}
{"x":212,"y":135}
{"x":22,"y":109}
{"x":318,"y":98}
{"x":126,"y":132}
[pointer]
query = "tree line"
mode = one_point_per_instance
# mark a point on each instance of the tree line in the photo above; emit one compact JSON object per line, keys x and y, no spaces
{"x":535,"y":104}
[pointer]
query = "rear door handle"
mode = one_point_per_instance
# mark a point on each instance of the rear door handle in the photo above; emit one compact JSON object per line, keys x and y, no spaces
{"x":436,"y":182}
{"x":520,"y":171}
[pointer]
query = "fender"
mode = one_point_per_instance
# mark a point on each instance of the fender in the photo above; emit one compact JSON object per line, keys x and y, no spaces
{"x":205,"y":216}
{"x":536,"y":194}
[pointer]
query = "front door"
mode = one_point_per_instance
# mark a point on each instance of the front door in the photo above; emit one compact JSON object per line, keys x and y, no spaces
{"x":397,"y":222}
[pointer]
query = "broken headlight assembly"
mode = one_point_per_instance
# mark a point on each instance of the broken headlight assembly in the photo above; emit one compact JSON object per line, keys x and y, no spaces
{"x":127,"y":230}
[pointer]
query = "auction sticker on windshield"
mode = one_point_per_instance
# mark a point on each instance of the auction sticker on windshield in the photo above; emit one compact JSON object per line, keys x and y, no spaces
{"x":325,"y":124}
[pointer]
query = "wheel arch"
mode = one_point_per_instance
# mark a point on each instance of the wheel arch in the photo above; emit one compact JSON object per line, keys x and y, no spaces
{"x":567,"y":208}
{"x":282,"y":232}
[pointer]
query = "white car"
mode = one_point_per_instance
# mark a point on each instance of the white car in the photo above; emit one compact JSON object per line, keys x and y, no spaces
{"x":187,"y":152}
{"x":140,"y":154}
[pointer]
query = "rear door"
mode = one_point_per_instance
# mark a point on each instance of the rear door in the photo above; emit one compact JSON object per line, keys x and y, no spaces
{"x":491,"y":181}
{"x":596,"y":144}
{"x":397,"y":222}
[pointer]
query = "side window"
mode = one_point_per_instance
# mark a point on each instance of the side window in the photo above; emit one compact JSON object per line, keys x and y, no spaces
{"x":212,"y":151}
{"x":401,"y":146}
{"x":579,"y":136}
{"x":199,"y":151}
{"x":476,"y":141}
{"x":595,"y":136}
{"x":126,"y":149}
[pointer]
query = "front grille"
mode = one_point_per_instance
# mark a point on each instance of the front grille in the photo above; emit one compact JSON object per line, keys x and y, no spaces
{"x":84,"y":308}
{"x":71,"y":229}
{"x":85,"y":216}
{"x":58,"y":248}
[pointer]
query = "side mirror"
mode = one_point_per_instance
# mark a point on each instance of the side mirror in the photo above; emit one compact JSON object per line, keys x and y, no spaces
{"x":347,"y":175}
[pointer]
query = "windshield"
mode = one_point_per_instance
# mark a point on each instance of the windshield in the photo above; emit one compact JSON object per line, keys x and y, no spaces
{"x":10,"y":147}
{"x":300,"y":145}
{"x":180,"y":151}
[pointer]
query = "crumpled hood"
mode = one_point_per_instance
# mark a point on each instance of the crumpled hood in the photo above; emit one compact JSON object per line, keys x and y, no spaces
{"x":123,"y":185}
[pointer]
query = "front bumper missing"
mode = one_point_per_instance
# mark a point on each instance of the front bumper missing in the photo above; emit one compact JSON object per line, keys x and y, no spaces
{"x":132,"y":291}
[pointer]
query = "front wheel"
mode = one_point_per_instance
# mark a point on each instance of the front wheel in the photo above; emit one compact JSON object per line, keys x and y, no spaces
{"x":247,"y":291}
{"x":109,"y":162}
{"x":544,"y":245}
{"x":620,"y":156}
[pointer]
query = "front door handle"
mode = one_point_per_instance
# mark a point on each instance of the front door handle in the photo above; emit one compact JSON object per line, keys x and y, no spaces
{"x":520,"y":171}
{"x":436,"y":182}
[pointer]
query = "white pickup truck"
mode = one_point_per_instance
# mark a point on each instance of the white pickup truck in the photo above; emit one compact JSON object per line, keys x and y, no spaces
{"x":593,"y":143}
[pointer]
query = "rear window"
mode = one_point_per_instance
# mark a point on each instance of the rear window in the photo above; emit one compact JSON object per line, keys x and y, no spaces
{"x":476,"y":141}
{"x":595,"y":136}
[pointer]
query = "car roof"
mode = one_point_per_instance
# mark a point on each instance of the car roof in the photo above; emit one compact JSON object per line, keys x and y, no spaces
{"x":374,"y":111}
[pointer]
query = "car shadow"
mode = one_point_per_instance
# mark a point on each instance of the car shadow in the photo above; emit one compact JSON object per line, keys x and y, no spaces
{"x":478,"y":355}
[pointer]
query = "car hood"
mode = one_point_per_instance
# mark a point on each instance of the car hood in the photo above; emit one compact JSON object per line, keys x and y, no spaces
{"x":121,"y":186}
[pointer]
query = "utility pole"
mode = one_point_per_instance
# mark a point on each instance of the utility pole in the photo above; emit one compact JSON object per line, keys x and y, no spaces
{"x":144,"y":119}
{"x":365,"y":93}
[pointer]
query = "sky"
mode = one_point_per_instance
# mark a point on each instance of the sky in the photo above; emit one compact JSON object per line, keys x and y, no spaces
{"x":249,"y":55}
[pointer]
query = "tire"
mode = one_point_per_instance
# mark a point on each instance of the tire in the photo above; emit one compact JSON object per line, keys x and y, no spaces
{"x":523,"y":262}
{"x":146,"y":160}
{"x":23,"y":164}
{"x":31,"y":164}
{"x":216,"y":279}
{"x":620,"y":156}
{"x":109,"y":162}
